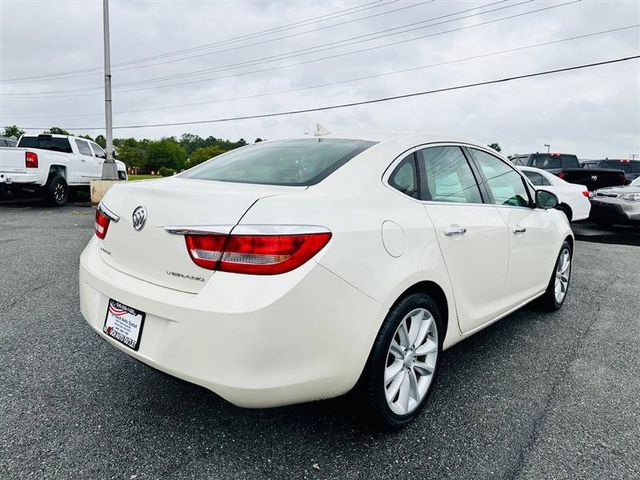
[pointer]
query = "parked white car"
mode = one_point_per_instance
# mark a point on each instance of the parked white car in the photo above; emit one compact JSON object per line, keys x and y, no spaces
{"x":50,"y":164}
{"x":574,"y":199}
{"x":289,"y":271}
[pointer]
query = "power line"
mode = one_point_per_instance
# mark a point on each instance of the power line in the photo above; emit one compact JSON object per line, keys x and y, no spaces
{"x":292,"y":54}
{"x":298,"y":24}
{"x":62,"y":94}
{"x":345,"y":42}
{"x":226,"y":50}
{"x":362,"y":102}
{"x":367,"y":77}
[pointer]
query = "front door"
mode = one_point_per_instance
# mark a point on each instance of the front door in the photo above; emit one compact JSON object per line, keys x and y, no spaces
{"x":530,"y":264}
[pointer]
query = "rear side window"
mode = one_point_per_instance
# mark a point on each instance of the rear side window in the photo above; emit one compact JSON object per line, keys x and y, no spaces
{"x":505,"y":184}
{"x":287,"y":162}
{"x":618,"y":165}
{"x":83,"y":147}
{"x":405,"y":177}
{"x":534,"y":177}
{"x":47,"y":142}
{"x":448,"y":176}
{"x":548,"y":161}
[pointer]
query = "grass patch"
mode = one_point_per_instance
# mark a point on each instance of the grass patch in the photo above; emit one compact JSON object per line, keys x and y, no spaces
{"x":133,"y":178}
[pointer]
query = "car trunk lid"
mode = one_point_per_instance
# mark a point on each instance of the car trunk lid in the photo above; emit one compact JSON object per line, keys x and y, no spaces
{"x":153,"y":254}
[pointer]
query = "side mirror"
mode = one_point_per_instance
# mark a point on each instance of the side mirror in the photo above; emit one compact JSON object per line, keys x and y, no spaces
{"x":546,"y":199}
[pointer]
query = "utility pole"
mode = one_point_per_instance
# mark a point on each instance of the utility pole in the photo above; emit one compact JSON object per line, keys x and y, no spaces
{"x":548,"y":147}
{"x":109,"y":170}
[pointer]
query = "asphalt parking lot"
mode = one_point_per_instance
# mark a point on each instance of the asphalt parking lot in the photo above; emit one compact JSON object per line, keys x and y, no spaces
{"x":534,"y":396}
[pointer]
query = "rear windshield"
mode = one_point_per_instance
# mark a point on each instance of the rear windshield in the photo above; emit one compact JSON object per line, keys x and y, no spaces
{"x":46,"y":142}
{"x":628,"y":167}
{"x":548,"y":161}
{"x":286,"y":162}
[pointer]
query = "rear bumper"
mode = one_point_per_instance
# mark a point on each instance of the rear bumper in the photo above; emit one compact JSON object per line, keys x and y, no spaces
{"x":10,"y":178}
{"x":615,"y":211}
{"x":255,"y":341}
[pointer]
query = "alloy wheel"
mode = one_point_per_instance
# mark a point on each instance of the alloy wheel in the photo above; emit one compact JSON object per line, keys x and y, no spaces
{"x":59,"y":192}
{"x":411,"y":361}
{"x":563,"y":272}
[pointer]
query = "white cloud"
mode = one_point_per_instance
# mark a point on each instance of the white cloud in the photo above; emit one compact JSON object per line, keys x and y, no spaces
{"x":594,"y":113}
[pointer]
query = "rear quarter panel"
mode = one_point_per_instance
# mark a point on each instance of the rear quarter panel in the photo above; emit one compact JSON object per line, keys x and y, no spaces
{"x":354,"y":203}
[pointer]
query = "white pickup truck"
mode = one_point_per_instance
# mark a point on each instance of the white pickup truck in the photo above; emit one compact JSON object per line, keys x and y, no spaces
{"x":52,"y":164}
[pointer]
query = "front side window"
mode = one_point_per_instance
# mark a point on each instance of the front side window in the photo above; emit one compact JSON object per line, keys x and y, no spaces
{"x":299,"y":162}
{"x":448,"y":176}
{"x":506,"y":185}
{"x":405,"y":178}
{"x":83,"y":147}
{"x":98,"y":151}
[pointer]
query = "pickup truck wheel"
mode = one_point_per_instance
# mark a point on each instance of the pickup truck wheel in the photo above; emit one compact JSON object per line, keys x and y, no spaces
{"x":122,"y":176}
{"x":56,"y":191}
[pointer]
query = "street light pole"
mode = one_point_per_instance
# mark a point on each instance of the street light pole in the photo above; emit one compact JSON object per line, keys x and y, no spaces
{"x":109,"y":170}
{"x":548,"y":147}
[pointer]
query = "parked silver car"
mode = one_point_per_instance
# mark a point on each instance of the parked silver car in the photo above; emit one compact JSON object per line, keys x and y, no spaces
{"x":617,"y":205}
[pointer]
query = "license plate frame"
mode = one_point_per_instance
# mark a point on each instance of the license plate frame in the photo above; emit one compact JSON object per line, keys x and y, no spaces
{"x":124,"y":324}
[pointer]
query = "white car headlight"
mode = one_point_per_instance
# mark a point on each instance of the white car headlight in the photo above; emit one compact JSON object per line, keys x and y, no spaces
{"x":630,"y":197}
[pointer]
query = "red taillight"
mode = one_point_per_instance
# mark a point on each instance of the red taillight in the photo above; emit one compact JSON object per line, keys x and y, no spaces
{"x":102,"y":224}
{"x":255,"y":254}
{"x":31,"y":160}
{"x":562,"y":174}
{"x":586,"y":193}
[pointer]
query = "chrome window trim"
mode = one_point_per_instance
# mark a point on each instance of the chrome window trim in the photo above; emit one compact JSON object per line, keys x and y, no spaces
{"x":198,"y":229}
{"x":246,"y":229}
{"x":279,"y":229}
{"x":389,"y":170}
{"x":108,"y":213}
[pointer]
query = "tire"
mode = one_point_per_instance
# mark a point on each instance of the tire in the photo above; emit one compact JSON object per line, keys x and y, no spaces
{"x":410,"y":387}
{"x":122,"y":176}
{"x":551,"y":300}
{"x":56,"y":190}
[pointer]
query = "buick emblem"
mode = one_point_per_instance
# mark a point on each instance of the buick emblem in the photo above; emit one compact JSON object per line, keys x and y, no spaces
{"x":594,"y":178}
{"x":139,"y":216}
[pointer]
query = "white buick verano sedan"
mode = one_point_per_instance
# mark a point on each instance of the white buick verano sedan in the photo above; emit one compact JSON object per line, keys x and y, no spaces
{"x":295,"y":270}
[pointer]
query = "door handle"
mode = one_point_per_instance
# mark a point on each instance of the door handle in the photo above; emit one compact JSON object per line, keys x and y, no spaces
{"x":455,"y":231}
{"x":519,"y":229}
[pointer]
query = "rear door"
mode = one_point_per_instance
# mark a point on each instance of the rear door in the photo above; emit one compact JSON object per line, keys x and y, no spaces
{"x":530,"y":261}
{"x":471,"y":234}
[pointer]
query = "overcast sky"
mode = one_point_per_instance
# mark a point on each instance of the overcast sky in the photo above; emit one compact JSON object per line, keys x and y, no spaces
{"x":593,"y":113}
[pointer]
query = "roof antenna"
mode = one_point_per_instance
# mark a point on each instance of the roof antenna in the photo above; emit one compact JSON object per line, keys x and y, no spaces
{"x":320,"y":131}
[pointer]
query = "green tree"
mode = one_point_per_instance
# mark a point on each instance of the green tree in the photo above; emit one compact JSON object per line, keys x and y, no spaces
{"x":495,"y":146}
{"x":131,"y":151}
{"x":100,"y":140}
{"x":258,"y":140}
{"x":166,"y":152}
{"x":58,"y":131}
{"x":12,"y":131}
{"x":203,"y":154}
